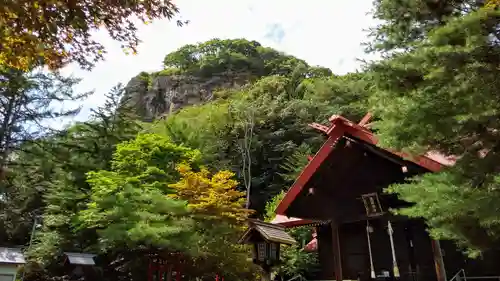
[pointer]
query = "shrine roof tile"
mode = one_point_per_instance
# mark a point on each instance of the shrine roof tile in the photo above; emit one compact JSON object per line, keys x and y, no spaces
{"x":80,"y":258}
{"x":11,"y":256}
{"x":270,"y":232}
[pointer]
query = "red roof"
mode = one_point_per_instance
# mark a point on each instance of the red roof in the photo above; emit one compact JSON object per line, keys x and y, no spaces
{"x":339,"y":127}
{"x":312,"y":246}
{"x":291,"y":222}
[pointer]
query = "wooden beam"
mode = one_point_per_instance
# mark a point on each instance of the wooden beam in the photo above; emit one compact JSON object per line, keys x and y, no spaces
{"x":364,"y":121}
{"x":337,"y":257}
{"x":438,"y":260}
{"x":320,"y":127}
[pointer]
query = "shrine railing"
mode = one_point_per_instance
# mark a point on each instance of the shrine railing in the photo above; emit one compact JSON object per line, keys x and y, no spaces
{"x":461,"y":276}
{"x":484,"y":278}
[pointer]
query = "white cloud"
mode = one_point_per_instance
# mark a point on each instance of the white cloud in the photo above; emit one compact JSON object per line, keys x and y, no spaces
{"x":322,"y":32}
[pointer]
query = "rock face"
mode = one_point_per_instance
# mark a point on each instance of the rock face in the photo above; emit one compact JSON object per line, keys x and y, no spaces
{"x":157,"y":96}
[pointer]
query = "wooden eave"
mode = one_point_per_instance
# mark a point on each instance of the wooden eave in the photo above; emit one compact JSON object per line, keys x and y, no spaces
{"x":290,"y":222}
{"x":270,"y":232}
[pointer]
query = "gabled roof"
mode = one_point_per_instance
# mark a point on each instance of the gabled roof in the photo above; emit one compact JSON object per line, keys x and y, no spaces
{"x":270,"y":232}
{"x":11,"y":256}
{"x":80,"y":258}
{"x":339,"y":128}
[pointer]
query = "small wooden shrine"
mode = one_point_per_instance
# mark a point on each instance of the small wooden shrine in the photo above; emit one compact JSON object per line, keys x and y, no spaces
{"x":340,"y":193}
{"x":266,"y":239}
{"x":81,"y":265}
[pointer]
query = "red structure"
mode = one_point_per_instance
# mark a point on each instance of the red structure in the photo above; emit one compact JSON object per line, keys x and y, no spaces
{"x":339,"y":128}
{"x":161,"y":270}
{"x":340,"y":193}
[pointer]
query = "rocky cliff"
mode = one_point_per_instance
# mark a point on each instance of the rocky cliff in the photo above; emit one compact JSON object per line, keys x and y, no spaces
{"x":155,"y":96}
{"x":194,"y":72}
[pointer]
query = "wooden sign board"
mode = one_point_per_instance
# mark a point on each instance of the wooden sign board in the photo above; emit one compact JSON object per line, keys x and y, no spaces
{"x":372,"y":205}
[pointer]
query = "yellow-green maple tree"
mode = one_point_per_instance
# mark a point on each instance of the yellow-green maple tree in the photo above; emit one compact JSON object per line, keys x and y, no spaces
{"x":211,"y":197}
{"x":55,"y":32}
{"x":218,"y":209}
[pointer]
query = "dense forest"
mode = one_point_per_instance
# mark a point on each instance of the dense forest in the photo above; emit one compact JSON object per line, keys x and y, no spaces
{"x":181,"y":170}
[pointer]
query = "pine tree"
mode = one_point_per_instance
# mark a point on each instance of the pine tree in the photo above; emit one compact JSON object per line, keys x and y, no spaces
{"x":438,"y":91}
{"x":28,"y":108}
{"x":68,"y":156}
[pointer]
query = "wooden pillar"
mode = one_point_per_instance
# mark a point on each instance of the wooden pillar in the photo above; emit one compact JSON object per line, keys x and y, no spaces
{"x":336,"y":252}
{"x":266,"y":275}
{"x":161,"y":272}
{"x":150,"y":271}
{"x":438,"y":260}
{"x":169,"y":272}
{"x":178,"y":273}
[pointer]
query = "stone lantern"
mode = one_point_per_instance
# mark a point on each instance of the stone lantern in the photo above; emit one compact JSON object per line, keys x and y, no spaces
{"x":266,"y":239}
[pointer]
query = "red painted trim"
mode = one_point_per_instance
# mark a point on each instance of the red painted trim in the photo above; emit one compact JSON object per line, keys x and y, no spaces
{"x":365,"y":119}
{"x":178,"y":275}
{"x":161,"y":271}
{"x":422,"y":161}
{"x":150,"y":271}
{"x":365,"y":136}
{"x":319,"y":127}
{"x":296,"y":223}
{"x":312,"y":246}
{"x":310,"y":169}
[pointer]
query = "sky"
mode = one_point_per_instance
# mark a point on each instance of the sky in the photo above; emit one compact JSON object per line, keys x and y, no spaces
{"x":322,"y":32}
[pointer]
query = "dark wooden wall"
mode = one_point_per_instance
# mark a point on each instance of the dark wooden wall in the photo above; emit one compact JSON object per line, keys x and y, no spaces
{"x":350,"y":170}
{"x":325,"y":252}
{"x":414,"y":259}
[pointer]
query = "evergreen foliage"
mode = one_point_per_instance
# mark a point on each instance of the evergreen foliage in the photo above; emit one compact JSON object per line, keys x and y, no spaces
{"x":436,"y":91}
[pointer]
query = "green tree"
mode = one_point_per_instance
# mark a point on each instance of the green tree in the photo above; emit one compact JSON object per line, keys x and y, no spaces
{"x":29,"y":103}
{"x":220,"y":214}
{"x":403,"y":23}
{"x":230,"y":57}
{"x":58,"y":185}
{"x":441,"y":95}
{"x":131,"y":198}
{"x":263,"y":123}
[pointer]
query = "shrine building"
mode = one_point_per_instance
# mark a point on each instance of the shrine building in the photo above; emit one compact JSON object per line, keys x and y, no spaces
{"x":340,"y":193}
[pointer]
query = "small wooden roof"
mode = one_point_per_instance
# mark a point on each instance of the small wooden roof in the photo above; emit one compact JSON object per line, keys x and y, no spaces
{"x":80,"y":258}
{"x":11,"y":256}
{"x":339,"y":128}
{"x":270,"y":232}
